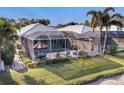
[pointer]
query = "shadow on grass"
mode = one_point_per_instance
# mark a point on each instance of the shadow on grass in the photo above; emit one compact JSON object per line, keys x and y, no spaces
{"x":6,"y":79}
{"x":119,"y":56}
{"x":22,"y":71}
{"x":81,"y":72}
{"x":31,"y":81}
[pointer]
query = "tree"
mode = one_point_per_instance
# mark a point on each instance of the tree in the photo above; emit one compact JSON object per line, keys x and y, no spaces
{"x":104,"y":19}
{"x":112,"y":20}
{"x":59,"y":25}
{"x":72,"y":23}
{"x":24,"y":21}
{"x":67,"y":24}
{"x":44,"y":21}
{"x":97,"y":21}
{"x":6,"y":44}
{"x":87,"y":23}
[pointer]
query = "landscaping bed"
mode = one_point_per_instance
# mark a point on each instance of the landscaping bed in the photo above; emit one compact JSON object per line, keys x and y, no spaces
{"x":27,"y":61}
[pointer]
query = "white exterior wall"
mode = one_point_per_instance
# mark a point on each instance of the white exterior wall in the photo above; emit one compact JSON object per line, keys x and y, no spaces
{"x":2,"y":68}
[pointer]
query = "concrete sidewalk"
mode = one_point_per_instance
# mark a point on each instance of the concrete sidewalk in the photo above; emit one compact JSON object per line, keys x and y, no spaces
{"x":115,"y":80}
{"x":18,"y":62}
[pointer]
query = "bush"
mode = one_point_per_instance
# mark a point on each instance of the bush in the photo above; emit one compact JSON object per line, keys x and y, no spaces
{"x":18,"y":46}
{"x":112,"y":50}
{"x":24,"y":57}
{"x":33,"y":64}
{"x":58,"y":55}
{"x":8,"y":53}
{"x":82,"y":54}
{"x":26,"y":60}
{"x":56,"y":61}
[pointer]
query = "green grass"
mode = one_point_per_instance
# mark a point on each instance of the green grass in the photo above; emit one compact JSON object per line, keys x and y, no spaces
{"x":81,"y":67}
{"x":68,"y":72}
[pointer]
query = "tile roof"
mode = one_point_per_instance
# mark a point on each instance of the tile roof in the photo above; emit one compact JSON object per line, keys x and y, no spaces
{"x":112,"y":34}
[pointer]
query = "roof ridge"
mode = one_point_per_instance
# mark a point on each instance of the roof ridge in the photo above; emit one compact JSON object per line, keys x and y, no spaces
{"x":30,"y":28}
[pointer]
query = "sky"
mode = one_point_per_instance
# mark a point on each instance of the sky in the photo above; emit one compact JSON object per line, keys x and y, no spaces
{"x":56,"y":15}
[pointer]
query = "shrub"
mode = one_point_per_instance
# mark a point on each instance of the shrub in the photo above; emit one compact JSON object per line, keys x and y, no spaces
{"x":24,"y":57}
{"x":18,"y":46}
{"x":33,"y":64}
{"x":68,"y":55}
{"x":58,"y":55}
{"x":112,"y":50}
{"x":26,"y":60}
{"x":8,"y":53}
{"x":56,"y":61}
{"x":82,"y":54}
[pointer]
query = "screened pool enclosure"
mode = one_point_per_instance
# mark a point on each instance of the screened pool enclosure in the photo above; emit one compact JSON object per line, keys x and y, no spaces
{"x":38,"y":44}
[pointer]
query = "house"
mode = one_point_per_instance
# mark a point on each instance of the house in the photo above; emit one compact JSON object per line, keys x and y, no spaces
{"x":112,"y":28}
{"x":76,"y":28}
{"x":91,"y":39}
{"x":24,"y":31}
{"x":38,"y":41}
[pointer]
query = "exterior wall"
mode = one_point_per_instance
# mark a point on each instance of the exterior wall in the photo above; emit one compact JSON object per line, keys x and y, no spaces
{"x":27,"y":47}
{"x":57,"y":45}
{"x":2,"y":65}
{"x":22,"y":43}
{"x":91,"y":47}
{"x":119,"y":42}
{"x":30,"y":48}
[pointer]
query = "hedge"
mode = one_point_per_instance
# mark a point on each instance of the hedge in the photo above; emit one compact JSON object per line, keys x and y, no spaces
{"x":33,"y":64}
{"x":24,"y":57}
{"x":52,"y":61}
{"x":28,"y":62}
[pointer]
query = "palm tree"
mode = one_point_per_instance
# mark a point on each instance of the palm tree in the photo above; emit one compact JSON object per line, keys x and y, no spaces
{"x":103,"y":19}
{"x":97,"y":21}
{"x":110,"y":20}
{"x":6,"y":31}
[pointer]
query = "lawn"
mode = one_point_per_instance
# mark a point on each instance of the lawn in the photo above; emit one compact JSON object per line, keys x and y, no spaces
{"x":62,"y":73}
{"x":81,"y":67}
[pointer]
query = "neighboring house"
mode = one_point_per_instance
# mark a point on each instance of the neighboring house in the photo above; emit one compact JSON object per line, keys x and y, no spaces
{"x":112,"y":28}
{"x":115,"y":38}
{"x":76,"y":28}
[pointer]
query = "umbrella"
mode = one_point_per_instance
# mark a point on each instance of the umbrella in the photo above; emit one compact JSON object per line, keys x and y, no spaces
{"x":40,"y":45}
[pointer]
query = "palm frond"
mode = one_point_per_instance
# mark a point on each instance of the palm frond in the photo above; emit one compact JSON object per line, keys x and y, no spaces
{"x":106,"y":18}
{"x":99,"y":14}
{"x":116,"y":22}
{"x":93,"y":13}
{"x":109,"y":9}
{"x":116,"y":15}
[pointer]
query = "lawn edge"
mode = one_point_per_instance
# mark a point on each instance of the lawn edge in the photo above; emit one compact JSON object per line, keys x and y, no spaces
{"x":96,"y":76}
